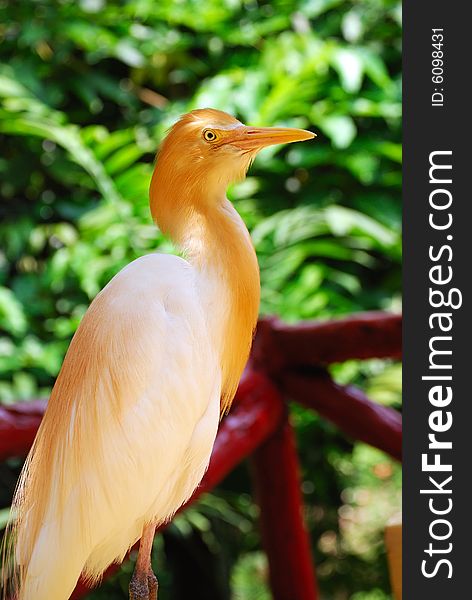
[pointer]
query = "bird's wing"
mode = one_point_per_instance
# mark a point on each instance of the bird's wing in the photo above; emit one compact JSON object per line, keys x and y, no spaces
{"x":136,"y":405}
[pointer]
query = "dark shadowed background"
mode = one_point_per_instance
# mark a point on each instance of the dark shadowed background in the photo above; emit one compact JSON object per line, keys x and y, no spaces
{"x":87,"y":90}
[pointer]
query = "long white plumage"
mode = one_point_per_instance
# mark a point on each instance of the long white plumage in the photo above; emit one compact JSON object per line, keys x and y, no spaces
{"x":105,"y":483}
{"x":133,"y":416}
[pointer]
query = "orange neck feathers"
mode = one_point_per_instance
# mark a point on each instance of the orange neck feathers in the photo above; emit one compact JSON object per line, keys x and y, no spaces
{"x":191,"y":207}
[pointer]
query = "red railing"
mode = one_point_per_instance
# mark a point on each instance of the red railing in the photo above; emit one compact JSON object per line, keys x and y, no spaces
{"x":288,"y":362}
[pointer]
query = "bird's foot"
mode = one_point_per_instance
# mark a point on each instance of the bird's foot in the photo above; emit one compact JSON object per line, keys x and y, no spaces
{"x":143,"y":586}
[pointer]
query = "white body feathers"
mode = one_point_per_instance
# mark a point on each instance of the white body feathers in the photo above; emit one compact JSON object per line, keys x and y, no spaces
{"x":141,"y":427}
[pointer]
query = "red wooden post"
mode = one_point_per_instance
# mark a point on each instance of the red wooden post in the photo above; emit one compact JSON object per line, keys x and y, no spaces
{"x":284,"y":536}
{"x":348,"y":408}
{"x":280,"y":346}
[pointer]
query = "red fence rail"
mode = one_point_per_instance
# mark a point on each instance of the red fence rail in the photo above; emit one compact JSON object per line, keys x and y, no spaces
{"x":287,"y":362}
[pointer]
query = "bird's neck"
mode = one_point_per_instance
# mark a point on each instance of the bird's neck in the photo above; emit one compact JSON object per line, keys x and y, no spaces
{"x":217,"y":243}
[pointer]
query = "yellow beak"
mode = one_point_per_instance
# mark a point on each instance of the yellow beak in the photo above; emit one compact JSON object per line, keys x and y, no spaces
{"x":255,"y":138}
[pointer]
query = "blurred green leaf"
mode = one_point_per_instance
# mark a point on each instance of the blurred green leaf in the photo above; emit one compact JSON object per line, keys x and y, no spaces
{"x":12,"y":314}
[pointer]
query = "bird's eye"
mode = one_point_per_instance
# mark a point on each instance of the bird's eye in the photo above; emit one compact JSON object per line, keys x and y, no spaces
{"x":209,"y":135}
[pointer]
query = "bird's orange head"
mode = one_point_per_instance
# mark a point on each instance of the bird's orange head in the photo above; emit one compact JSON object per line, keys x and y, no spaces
{"x":208,"y":149}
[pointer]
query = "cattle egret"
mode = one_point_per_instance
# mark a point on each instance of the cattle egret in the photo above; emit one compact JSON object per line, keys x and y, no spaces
{"x":130,"y":425}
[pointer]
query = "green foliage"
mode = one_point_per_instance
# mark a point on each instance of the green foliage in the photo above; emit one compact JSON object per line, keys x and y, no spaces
{"x":87,"y":90}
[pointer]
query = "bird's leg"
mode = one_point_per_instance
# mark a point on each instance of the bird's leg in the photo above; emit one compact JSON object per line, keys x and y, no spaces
{"x":143,"y":584}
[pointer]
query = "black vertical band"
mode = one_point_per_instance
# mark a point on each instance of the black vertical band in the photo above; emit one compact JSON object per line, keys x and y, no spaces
{"x":437,"y":526}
